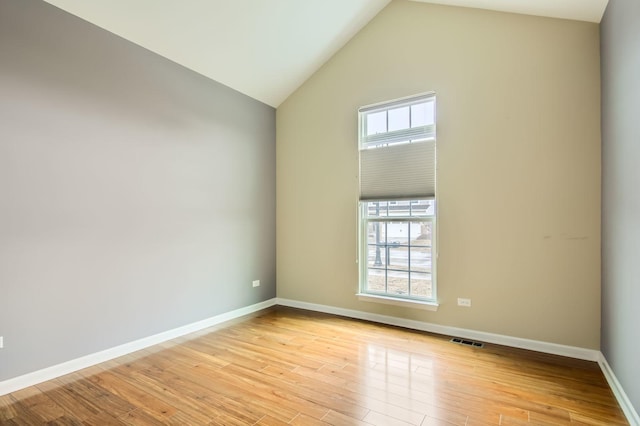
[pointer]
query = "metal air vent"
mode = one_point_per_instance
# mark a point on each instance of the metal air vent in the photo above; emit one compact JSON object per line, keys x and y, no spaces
{"x":467,"y":342}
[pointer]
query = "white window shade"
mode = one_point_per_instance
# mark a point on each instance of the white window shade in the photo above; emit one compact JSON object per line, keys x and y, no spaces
{"x":398,"y":171}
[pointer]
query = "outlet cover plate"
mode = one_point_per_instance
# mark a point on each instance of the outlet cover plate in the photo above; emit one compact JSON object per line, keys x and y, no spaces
{"x":464,"y":302}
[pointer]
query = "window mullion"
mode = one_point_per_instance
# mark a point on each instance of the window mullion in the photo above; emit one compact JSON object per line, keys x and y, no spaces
{"x":386,"y":259}
{"x":409,"y":256}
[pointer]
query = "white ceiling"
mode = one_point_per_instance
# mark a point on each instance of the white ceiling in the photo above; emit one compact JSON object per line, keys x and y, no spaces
{"x":267,"y":48}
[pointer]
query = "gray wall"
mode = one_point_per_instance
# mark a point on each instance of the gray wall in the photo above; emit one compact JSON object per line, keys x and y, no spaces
{"x":620,"y":50}
{"x":135,"y":195}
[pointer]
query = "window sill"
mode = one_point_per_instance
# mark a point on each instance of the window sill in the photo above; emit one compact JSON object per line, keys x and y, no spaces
{"x":415,"y":304}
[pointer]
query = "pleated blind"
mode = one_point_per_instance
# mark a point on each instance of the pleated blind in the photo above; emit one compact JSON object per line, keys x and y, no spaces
{"x":399,"y":163}
{"x":398,"y":171}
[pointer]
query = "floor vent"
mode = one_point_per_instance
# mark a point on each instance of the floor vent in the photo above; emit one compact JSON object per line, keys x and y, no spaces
{"x":467,"y":342}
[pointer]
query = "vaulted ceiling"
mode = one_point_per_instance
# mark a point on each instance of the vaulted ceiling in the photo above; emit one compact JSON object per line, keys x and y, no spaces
{"x":267,"y":48}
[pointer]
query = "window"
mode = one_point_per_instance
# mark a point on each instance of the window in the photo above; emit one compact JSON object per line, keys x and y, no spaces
{"x":399,"y":248}
{"x":397,"y":199}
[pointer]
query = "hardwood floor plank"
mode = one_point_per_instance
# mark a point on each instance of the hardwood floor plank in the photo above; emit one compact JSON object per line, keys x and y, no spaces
{"x":287,"y":356}
{"x":304,"y":420}
{"x":141,"y":417}
{"x":596,"y":421}
{"x":196,"y":357}
{"x":102,"y":419}
{"x":8,"y":408}
{"x":212,"y":399}
{"x":510,"y":421}
{"x":228,"y":393}
{"x":457,"y":417}
{"x":38,"y":404}
{"x":431,"y":421}
{"x":379,"y":419}
{"x":270,"y":421}
{"x":101,"y":400}
{"x":135,"y":396}
{"x":21,"y":415}
{"x":288,"y":366}
{"x":161,"y":387}
{"x":70,"y":402}
{"x":338,"y":419}
{"x":64,"y":421}
{"x":286,"y":394}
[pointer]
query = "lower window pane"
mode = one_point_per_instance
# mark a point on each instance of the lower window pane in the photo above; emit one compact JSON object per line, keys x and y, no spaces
{"x":376,"y":232}
{"x":376,"y":281}
{"x":421,"y":285}
{"x":397,"y":233}
{"x":398,"y":257}
{"x":421,"y":233}
{"x":398,"y":283}
{"x":377,"y":256}
{"x":420,"y":259}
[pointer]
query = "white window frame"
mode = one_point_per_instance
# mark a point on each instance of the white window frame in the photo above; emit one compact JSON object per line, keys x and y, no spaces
{"x":382,"y":140}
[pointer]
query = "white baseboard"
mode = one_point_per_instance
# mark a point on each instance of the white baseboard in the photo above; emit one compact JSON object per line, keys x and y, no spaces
{"x":50,"y":373}
{"x":618,"y":391}
{"x":516,"y":342}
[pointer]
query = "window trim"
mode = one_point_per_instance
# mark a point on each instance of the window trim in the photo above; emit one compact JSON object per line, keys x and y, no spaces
{"x":376,"y":190}
{"x":426,"y":305}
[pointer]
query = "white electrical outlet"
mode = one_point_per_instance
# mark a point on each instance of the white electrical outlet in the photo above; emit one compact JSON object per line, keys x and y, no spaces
{"x":1,"y":342}
{"x":256,"y":283}
{"x":464,"y":302}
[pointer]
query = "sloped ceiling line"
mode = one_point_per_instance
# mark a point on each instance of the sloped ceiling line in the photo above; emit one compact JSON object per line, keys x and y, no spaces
{"x":266,"y":49}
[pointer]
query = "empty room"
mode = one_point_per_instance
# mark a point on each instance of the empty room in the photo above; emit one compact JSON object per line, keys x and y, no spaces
{"x":319,"y":212}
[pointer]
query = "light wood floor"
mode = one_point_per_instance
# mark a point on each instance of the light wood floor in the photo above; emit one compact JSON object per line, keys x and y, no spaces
{"x":286,"y":366}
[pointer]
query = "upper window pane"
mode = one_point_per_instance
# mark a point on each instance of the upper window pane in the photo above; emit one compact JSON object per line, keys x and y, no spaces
{"x":377,"y":123}
{"x":377,"y":209}
{"x":399,"y":208}
{"x":423,"y":114}
{"x":423,"y":208}
{"x":402,"y":121}
{"x":398,"y":119}
{"x":408,"y":208}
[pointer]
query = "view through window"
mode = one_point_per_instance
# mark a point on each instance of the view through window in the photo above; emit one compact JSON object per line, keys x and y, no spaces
{"x":399,"y":248}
